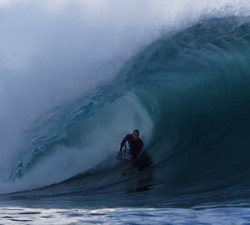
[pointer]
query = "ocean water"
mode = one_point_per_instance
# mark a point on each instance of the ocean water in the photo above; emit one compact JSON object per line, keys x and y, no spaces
{"x":76,"y":77}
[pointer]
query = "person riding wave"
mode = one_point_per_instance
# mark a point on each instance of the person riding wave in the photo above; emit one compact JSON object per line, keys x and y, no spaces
{"x":135,"y":144}
{"x":140,"y":160}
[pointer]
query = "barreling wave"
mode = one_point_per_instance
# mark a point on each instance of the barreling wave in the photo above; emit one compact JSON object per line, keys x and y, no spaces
{"x":188,"y":93}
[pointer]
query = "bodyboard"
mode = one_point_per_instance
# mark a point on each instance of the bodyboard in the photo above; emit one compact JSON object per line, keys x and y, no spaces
{"x":124,"y":155}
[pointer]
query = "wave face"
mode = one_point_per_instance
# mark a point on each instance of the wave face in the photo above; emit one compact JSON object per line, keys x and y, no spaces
{"x":187,"y":90}
{"x":200,"y":81}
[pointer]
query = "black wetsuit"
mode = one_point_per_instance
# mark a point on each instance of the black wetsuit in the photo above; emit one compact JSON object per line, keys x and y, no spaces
{"x":134,"y":145}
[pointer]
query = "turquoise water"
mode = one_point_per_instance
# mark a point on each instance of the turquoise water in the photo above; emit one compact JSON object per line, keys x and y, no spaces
{"x":76,"y":77}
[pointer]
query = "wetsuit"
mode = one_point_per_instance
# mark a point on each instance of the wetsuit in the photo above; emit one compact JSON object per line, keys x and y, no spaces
{"x":134,"y":145}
